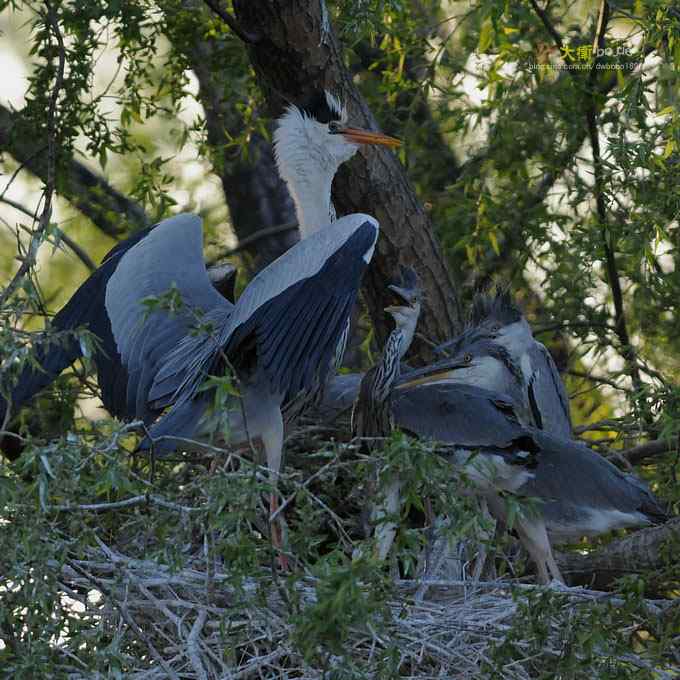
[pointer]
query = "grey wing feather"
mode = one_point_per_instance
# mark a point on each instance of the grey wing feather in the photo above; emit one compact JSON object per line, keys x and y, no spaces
{"x":463,"y":415}
{"x":265,"y":305}
{"x":170,"y":256}
{"x":302,"y":261}
{"x":574,"y":482}
{"x":547,"y":393}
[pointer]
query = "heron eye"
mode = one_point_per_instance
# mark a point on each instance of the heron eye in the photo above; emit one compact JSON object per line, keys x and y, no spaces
{"x":467,"y":357}
{"x":496,"y":327}
{"x":333,"y":127}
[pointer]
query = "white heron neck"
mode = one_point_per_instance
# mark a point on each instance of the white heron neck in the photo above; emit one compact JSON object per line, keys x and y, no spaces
{"x":309,"y":182}
{"x":308,"y":158}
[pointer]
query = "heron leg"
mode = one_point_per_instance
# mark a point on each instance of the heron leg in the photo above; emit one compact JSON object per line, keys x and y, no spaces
{"x":534,"y":537}
{"x":386,"y":529}
{"x":264,"y":420}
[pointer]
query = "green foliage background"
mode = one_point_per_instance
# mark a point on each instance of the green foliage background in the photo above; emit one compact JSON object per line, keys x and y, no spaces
{"x":497,"y":145}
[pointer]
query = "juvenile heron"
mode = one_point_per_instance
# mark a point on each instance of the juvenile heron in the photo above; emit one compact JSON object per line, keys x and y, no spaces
{"x":513,"y":362}
{"x":578,"y":492}
{"x":372,"y":412}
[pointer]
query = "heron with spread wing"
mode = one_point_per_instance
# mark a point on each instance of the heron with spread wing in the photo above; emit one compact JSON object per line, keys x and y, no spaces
{"x":282,"y":336}
{"x":311,"y":139}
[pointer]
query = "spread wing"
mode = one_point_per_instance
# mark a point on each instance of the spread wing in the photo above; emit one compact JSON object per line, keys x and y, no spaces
{"x":169,"y":259}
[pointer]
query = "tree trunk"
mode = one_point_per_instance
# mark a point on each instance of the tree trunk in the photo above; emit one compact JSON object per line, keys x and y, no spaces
{"x":295,"y":51}
{"x":255,"y":194}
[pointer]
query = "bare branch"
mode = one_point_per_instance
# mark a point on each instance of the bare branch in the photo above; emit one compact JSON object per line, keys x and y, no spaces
{"x":248,"y":38}
{"x":126,"y":616}
{"x":248,"y":241}
{"x":108,"y":209}
{"x":77,"y":250}
{"x":637,"y":454}
{"x":44,"y":222}
{"x":547,"y":23}
{"x":638,"y":551}
{"x":146,"y":499}
{"x":608,"y":245}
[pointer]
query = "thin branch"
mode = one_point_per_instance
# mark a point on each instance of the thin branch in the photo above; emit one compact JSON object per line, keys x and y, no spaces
{"x":547,"y":23}
{"x":98,"y":583}
{"x":609,"y":247}
{"x":564,"y":325}
{"x":597,"y":379}
{"x":637,"y":454}
{"x":109,"y":210}
{"x":230,"y":20}
{"x":36,"y":239}
{"x":145,"y":499}
{"x":248,"y":241}
{"x":77,"y":250}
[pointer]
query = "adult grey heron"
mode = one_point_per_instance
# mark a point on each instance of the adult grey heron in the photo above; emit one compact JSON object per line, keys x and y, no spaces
{"x":507,"y":359}
{"x":312,"y":140}
{"x":579,"y":493}
{"x":285,"y":330}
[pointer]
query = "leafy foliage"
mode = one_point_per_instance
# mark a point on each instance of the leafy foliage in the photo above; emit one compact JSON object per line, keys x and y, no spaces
{"x":542,"y":165}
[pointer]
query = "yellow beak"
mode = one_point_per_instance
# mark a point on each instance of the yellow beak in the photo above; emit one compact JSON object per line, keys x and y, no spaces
{"x":359,"y":136}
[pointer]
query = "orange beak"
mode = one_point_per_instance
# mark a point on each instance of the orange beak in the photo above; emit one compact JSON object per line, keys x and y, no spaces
{"x":359,"y":136}
{"x":434,"y":377}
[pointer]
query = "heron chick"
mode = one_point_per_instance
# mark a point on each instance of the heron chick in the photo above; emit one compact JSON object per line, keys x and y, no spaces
{"x":372,"y":415}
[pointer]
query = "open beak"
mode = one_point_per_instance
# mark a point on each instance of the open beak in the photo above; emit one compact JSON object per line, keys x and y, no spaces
{"x":359,"y":136}
{"x":400,"y":292}
{"x":392,"y":309}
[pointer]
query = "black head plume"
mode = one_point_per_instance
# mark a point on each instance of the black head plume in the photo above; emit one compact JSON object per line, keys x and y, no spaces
{"x":495,"y":306}
{"x":318,"y":105}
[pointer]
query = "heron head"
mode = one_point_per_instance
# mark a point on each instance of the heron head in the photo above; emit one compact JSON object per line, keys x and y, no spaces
{"x":319,"y":126}
{"x":407,"y":295}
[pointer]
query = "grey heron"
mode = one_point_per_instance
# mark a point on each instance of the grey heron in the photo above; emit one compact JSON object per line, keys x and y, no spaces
{"x":507,"y":359}
{"x":312,"y":140}
{"x":578,"y":492}
{"x":281,"y":336}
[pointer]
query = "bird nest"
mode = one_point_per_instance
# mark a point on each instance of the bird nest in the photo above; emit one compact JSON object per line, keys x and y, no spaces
{"x":180,"y":581}
{"x":200,"y":622}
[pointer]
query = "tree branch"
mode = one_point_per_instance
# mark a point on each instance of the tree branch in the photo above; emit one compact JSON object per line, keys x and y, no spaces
{"x":608,"y":244}
{"x":230,"y":20}
{"x":37,"y":236}
{"x":641,"y":550}
{"x":145,"y":499}
{"x":108,"y":209}
{"x":637,"y":454}
{"x":249,"y":241}
{"x":77,"y":250}
{"x":547,"y":23}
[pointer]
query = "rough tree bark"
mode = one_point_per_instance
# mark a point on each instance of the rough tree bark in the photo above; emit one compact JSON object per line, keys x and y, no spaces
{"x":294,"y":50}
{"x":639,"y":551}
{"x":255,"y":194}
